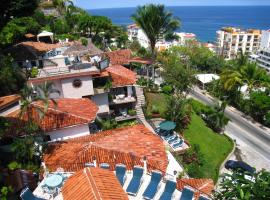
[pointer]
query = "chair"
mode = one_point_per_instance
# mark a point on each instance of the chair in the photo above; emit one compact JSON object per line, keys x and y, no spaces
{"x":178,"y":144}
{"x":173,"y":140}
{"x":169,"y":137}
{"x":26,"y":194}
{"x":104,"y":166}
{"x":187,"y":194}
{"x":136,"y":181}
{"x":152,"y":187}
{"x":121,"y":173}
{"x":203,"y":198}
{"x":168,"y":191}
{"x":89,"y":164}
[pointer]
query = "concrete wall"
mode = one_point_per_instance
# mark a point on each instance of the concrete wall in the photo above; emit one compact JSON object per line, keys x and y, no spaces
{"x":71,"y":92}
{"x":102,"y":101}
{"x":71,"y":132}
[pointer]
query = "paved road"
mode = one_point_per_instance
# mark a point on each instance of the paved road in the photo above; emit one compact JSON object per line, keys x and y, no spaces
{"x":241,"y":128}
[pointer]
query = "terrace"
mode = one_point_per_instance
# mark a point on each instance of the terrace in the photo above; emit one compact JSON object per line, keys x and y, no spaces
{"x":79,"y":67}
{"x":69,"y":185}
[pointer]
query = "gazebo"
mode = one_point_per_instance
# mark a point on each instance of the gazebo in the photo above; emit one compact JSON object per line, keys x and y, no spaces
{"x":45,"y":34}
{"x":166,"y":127}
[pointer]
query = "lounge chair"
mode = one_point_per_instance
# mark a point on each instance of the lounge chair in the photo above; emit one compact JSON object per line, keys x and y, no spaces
{"x":104,"y":166}
{"x":152,"y":187}
{"x":173,"y":140}
{"x":121,"y":173}
{"x":168,"y":191}
{"x":203,"y":198}
{"x":178,"y":144}
{"x":169,"y":137}
{"x":26,"y":194}
{"x":187,"y":194}
{"x":136,"y":181}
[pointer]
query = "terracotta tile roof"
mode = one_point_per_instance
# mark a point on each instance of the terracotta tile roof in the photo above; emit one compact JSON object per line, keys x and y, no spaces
{"x":125,"y":145}
{"x":93,"y":184}
{"x":30,"y":50}
{"x":146,"y":61}
{"x":121,"y":76}
{"x":201,"y":186}
{"x":8,"y":100}
{"x":124,"y":56}
{"x":67,"y":112}
{"x":119,"y":57}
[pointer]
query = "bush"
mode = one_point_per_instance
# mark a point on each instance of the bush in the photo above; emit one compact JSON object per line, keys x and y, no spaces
{"x":14,"y":165}
{"x":106,"y":124}
{"x":154,"y":109}
{"x":84,"y":41}
{"x":142,"y":81}
{"x":167,"y":89}
{"x":34,"y":72}
{"x":132,"y":112}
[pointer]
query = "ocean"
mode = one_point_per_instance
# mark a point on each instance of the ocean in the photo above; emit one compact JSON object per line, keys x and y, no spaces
{"x":204,"y":21}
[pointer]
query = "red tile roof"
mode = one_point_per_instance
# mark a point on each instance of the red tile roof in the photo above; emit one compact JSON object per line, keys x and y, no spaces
{"x":124,"y":145}
{"x":119,"y":57}
{"x":67,"y":112}
{"x":124,"y":56}
{"x":201,"y":186}
{"x":8,"y":100}
{"x":121,"y":76}
{"x":93,"y":184}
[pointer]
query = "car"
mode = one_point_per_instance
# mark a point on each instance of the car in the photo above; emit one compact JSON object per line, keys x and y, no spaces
{"x":234,"y":164}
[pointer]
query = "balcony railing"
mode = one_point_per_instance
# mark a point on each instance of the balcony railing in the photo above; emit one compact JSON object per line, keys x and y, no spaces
{"x":123,"y":99}
{"x":100,"y":90}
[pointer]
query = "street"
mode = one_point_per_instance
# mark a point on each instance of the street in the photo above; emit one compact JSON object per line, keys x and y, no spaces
{"x":252,"y":139}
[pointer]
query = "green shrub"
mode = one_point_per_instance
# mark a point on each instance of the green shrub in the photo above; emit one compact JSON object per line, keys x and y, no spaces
{"x":34,"y":72}
{"x":107,"y":124}
{"x":154,"y":109}
{"x":132,"y":112}
{"x":14,"y":165}
{"x":167,"y":89}
{"x":142,"y":81}
{"x":84,"y":41}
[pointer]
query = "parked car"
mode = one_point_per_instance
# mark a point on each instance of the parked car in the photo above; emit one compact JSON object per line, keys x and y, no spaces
{"x":233,"y":164}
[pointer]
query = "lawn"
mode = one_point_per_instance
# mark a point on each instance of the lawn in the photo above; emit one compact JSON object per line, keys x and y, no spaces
{"x":213,"y":146}
{"x":156,"y":103}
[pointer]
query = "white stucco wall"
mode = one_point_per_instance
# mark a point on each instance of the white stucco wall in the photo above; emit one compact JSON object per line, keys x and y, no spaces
{"x":102,"y":101}
{"x":71,"y":92}
{"x":70,"y":132}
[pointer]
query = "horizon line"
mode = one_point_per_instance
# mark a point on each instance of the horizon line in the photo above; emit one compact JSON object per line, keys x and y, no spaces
{"x":182,"y":6}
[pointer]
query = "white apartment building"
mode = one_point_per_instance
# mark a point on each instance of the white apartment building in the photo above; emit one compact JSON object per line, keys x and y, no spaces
{"x":231,"y":41}
{"x":263,"y":57}
{"x":136,"y":33}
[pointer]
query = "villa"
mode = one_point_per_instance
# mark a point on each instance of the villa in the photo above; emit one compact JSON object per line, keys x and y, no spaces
{"x":88,"y":167}
{"x":68,"y":118}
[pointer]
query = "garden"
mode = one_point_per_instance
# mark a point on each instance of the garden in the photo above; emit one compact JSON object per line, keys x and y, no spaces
{"x":208,"y":148}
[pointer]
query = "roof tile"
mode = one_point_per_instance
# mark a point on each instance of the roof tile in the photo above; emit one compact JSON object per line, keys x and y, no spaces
{"x":121,"y":76}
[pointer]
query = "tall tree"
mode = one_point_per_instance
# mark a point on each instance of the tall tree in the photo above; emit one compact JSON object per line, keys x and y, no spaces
{"x":16,"y":8}
{"x":156,"y":22}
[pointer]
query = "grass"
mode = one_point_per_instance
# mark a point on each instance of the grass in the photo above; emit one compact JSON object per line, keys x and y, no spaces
{"x":155,"y":101}
{"x":213,"y":146}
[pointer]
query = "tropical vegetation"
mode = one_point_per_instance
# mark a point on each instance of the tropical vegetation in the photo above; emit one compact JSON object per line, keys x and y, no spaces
{"x":244,"y":186}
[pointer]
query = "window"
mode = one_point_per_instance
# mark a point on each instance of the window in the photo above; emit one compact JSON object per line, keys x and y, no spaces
{"x":77,"y":83}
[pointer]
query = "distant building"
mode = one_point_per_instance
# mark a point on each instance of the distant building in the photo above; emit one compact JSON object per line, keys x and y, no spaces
{"x":263,"y":56}
{"x":185,"y":37}
{"x":136,"y":33}
{"x":231,"y":41}
{"x":210,"y":46}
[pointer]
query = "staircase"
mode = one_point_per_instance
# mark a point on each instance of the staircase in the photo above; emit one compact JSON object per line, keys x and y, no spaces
{"x":139,"y":111}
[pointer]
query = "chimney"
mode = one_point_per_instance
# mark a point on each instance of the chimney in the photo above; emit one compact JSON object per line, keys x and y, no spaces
{"x":94,"y":161}
{"x":145,"y":165}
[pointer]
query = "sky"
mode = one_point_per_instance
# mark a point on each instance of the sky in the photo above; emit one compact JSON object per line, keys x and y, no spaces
{"x":96,"y":4}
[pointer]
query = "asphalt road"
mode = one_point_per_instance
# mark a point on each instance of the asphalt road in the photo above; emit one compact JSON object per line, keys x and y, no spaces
{"x":241,"y":127}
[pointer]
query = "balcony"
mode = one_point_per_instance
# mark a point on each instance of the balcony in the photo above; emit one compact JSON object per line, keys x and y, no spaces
{"x":101,"y":90}
{"x":121,"y":98}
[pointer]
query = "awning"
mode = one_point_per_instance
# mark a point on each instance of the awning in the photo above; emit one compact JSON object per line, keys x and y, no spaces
{"x":45,"y":34}
{"x":167,"y":125}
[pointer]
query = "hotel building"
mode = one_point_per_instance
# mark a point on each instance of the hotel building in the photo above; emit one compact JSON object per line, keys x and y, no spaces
{"x":231,"y":41}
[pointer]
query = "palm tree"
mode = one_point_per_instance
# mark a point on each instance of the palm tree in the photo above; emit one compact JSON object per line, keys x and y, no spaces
{"x":249,"y":74}
{"x":217,"y":117}
{"x":156,"y":23}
